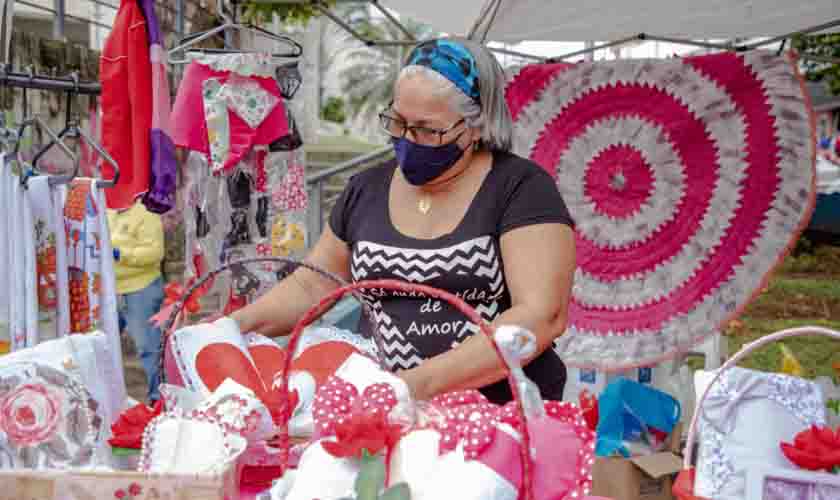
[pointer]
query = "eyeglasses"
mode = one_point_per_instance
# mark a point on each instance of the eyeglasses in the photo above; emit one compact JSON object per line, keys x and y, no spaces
{"x":398,"y":129}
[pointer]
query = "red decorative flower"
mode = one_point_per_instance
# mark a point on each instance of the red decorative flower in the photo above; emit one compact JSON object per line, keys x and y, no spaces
{"x":135,"y":489}
{"x":363,"y":431}
{"x":119,"y":494}
{"x":29,"y":415}
{"x":589,"y":406}
{"x":817,"y":448}
{"x":128,"y":430}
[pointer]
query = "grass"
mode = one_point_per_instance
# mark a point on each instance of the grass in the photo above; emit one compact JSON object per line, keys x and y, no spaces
{"x":805,"y":291}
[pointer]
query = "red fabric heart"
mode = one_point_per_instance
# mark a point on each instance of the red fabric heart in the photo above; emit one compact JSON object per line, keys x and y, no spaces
{"x":322,"y":360}
{"x":218,"y":361}
{"x":269,"y":360}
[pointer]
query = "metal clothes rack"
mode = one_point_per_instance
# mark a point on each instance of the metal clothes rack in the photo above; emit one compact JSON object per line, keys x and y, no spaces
{"x":39,"y":82}
{"x":71,"y":86}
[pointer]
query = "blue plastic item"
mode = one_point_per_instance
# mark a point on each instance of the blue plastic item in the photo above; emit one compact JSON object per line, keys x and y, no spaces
{"x":626,"y":410}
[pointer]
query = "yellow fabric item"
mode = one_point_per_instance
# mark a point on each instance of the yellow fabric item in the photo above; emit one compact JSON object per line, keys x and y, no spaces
{"x":790,"y":365}
{"x":137,"y":235}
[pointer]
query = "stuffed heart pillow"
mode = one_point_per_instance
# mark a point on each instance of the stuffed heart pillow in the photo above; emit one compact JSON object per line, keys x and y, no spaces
{"x":203,"y":356}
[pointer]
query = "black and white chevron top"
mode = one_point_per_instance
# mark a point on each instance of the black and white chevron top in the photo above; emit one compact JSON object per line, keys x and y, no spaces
{"x":466,"y":262}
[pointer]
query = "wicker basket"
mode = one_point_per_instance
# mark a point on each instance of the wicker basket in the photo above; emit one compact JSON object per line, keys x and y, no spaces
{"x":684,"y":486}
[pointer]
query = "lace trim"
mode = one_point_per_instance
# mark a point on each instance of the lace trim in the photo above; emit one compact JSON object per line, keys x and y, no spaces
{"x":248,"y":64}
{"x":799,"y":397}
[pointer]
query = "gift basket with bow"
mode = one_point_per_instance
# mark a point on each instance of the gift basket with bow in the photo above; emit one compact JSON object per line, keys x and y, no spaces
{"x":371,"y":440}
{"x":800,"y":469}
{"x":457,"y":445}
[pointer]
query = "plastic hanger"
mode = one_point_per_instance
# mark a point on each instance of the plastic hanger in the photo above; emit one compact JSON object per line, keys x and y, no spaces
{"x":54,"y":180}
{"x":296,"y":50}
{"x":72,"y":129}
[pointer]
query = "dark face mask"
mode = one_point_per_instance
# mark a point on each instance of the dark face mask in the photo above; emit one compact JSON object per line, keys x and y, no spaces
{"x":422,"y":164}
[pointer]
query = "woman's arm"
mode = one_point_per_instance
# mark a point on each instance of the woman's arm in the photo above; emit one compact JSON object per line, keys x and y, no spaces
{"x":275,"y":313}
{"x":539,"y":270}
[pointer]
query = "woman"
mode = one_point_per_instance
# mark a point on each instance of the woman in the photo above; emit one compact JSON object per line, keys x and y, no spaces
{"x":461,"y":214}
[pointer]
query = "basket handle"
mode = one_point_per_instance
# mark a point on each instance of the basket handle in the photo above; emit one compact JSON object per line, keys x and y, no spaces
{"x":745,"y":350}
{"x":178,"y":307}
{"x":525,"y":491}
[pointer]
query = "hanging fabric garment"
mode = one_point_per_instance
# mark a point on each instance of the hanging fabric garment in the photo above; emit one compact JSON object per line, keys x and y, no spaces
{"x":93,"y":294}
{"x":30,"y":276}
{"x":242,"y":107}
{"x":88,"y":263}
{"x":231,"y":211}
{"x":109,"y":322}
{"x":227,"y":219}
{"x":51,"y":257}
{"x":161,"y":196}
{"x":125,"y":71}
{"x":5,"y":256}
{"x":17,"y":259}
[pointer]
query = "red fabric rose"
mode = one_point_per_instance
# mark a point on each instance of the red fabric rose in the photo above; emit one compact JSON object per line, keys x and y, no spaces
{"x":363,"y":431}
{"x":817,"y":448}
{"x":127,"y":431}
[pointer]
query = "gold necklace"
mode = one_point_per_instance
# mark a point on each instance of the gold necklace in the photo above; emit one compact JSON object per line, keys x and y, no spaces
{"x":424,"y":205}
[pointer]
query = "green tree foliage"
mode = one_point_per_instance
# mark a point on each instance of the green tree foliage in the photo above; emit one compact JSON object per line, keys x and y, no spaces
{"x":368,"y":73}
{"x":824,"y":45}
{"x":333,"y":110}
{"x":289,"y":13}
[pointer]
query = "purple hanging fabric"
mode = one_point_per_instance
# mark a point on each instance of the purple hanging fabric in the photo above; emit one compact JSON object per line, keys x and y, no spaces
{"x":164,"y":167}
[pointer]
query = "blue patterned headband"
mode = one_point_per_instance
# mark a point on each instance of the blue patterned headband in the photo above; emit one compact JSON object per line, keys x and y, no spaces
{"x":450,"y":59}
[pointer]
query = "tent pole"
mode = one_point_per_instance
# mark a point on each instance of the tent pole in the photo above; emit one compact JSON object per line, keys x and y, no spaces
{"x":694,"y":43}
{"x":489,"y":24}
{"x":480,"y":20}
{"x":393,"y":19}
{"x":514,"y":53}
{"x":821,"y":27}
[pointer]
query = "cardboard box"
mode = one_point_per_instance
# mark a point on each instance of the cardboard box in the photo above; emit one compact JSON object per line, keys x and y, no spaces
{"x":648,"y":477}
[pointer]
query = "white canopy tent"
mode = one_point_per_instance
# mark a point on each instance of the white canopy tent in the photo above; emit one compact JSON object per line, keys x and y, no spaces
{"x":517,"y":20}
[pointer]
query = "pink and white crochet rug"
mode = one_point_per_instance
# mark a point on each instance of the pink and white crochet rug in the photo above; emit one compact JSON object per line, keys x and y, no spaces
{"x":688,"y":180}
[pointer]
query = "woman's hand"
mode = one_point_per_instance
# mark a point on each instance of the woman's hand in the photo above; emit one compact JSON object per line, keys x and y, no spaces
{"x":417,"y":383}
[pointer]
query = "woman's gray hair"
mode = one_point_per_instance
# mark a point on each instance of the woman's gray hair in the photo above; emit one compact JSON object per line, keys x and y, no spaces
{"x":492,"y":116}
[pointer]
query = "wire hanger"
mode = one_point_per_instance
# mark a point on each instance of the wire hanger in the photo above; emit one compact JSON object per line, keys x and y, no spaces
{"x":295,"y":49}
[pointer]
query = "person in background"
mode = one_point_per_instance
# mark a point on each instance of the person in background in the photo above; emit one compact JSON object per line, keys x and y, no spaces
{"x":137,"y":239}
